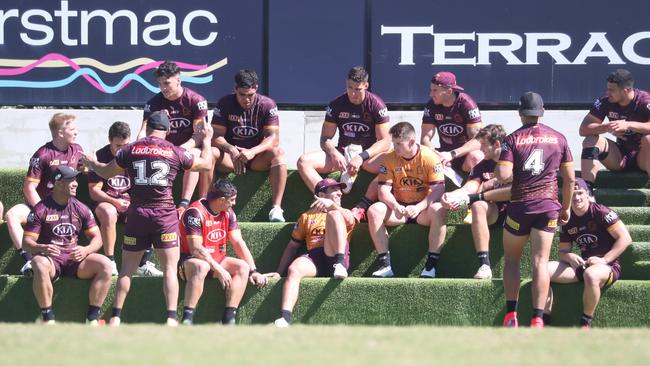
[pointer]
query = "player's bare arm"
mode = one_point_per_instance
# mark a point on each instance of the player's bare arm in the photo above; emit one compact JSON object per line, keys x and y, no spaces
{"x":472,"y":143}
{"x":219,"y":141}
{"x":503,"y":172}
{"x":428,"y":133}
{"x":621,"y":127}
{"x":270,"y":141}
{"x":30,"y":245}
{"x":327,"y":145}
{"x":383,"y":144}
{"x":80,"y":252}
{"x":96,"y":194}
{"x":204,"y":161}
{"x":325,"y":205}
{"x":386,"y":196}
{"x":592,"y":125}
{"x":196,"y":138}
{"x":143,"y":130}
{"x":622,"y":240}
{"x":241,"y":249}
{"x":568,"y":184}
{"x":30,"y":193}
{"x":104,"y":170}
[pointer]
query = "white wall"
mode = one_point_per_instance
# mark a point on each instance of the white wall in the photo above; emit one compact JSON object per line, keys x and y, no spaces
{"x":24,"y":130}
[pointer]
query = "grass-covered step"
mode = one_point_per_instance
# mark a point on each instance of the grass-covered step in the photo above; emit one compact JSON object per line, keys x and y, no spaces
{"x":634,"y":197}
{"x":607,"y":179}
{"x":360,"y":301}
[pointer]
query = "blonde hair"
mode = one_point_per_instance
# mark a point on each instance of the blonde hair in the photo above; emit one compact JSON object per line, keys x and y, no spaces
{"x":59,"y":121}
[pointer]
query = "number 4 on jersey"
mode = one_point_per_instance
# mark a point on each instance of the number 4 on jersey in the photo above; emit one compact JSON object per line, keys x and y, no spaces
{"x":535,"y":162}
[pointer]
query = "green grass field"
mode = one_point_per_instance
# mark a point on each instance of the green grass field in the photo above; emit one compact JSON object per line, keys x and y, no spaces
{"x":72,"y":344}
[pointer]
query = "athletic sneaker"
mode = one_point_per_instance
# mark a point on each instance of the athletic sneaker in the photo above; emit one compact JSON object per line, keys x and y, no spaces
{"x":383,"y":272}
{"x":115,"y":321}
{"x":231,"y":322}
{"x":171,"y":322}
{"x":339,"y":271}
{"x":359,"y":213}
{"x":468,"y":218}
{"x":148,"y":270}
{"x":586,"y":327}
{"x":48,"y":322}
{"x":431,"y":273}
{"x":275,"y":215}
{"x":484,"y":272}
{"x":349,"y":152}
{"x":187,"y":322}
{"x":537,"y":323}
{"x":96,"y":322}
{"x":26,"y":269}
{"x":281,"y":323}
{"x":114,"y":271}
{"x":510,"y":320}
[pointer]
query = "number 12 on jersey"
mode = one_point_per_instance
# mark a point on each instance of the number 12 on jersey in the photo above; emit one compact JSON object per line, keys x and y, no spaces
{"x":159,"y":176}
{"x":535,"y":162}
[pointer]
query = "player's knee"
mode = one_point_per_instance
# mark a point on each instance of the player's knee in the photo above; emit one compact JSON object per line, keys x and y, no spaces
{"x":377,"y":211}
{"x":303,"y":162}
{"x":242,"y":269}
{"x":293,"y":273}
{"x":334,"y":216}
{"x":40,"y":266}
{"x":106,"y":215}
{"x":474,"y":158}
{"x":590,"y":141}
{"x":591,"y":278}
{"x":645,"y":141}
{"x":13,"y":216}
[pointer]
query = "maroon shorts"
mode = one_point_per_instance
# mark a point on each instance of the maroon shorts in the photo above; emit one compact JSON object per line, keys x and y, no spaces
{"x":524,"y":216}
{"x":324,"y":263}
{"x":181,"y":266}
{"x":457,"y":164}
{"x":151,"y":226}
{"x":502,"y":209}
{"x":628,"y":159}
{"x":614,"y":275}
{"x":64,"y":266}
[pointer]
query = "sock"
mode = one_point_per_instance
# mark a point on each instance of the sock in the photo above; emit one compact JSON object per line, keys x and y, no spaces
{"x":146,"y":256}
{"x":432,"y":261}
{"x":511,"y":305}
{"x":538,"y":313}
{"x":287,"y":315}
{"x":117,"y":312}
{"x":47,"y":313}
{"x":547,"y":319}
{"x":111,"y":257}
{"x":229,"y":314}
{"x":339,"y":258}
{"x":384,"y":259}
{"x":93,"y":312}
{"x":171,"y":314}
{"x":26,"y":256}
{"x":188,"y":314}
{"x":585,"y":320}
{"x":483,"y":258}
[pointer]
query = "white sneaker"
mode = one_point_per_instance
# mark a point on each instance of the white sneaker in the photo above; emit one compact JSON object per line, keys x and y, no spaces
{"x":348,"y":180}
{"x":468,"y":218}
{"x":26,"y":269}
{"x":171,"y":322}
{"x":428,"y":274}
{"x":275,"y":215}
{"x":349,"y":152}
{"x":148,"y":270}
{"x":383,"y":272}
{"x":114,"y":271}
{"x":48,"y":322}
{"x":281,"y":323}
{"x":339,"y":271}
{"x":115,"y":321}
{"x":484,"y":272}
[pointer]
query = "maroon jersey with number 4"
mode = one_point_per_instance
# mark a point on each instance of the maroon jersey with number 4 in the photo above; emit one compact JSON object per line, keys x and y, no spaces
{"x":45,"y":161}
{"x":535,"y":152}
{"x":452,"y":122}
{"x":356,"y":123}
{"x":191,"y":106}
{"x":245,"y":127}
{"x":638,"y":110}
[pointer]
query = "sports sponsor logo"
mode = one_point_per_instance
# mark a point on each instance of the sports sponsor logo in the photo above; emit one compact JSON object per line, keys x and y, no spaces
{"x":202,"y":105}
{"x":147,"y":108}
{"x":233,"y":118}
{"x":573,"y":231}
{"x":273,"y":111}
{"x":64,"y":229}
{"x":119,"y":182}
{"x":129,"y":240}
{"x":31,"y":217}
{"x":512,"y":223}
{"x":51,"y":218}
{"x":328,"y":111}
{"x":34,"y":162}
{"x":317,"y":232}
{"x":535,"y":140}
{"x":245,"y":131}
{"x":427,"y":112}
{"x":411,"y":181}
{"x":168,"y":237}
{"x":648,"y":106}
{"x":438,"y":168}
{"x":178,"y":123}
{"x":188,"y":155}
{"x":613,"y":116}
{"x":474,"y":113}
{"x":383,"y":112}
{"x":597,"y":104}
{"x":586,"y":241}
{"x":450,"y":129}
{"x":55,"y":162}
{"x":552,"y":223}
{"x":193,"y":221}
{"x":611,"y":217}
{"x":439,"y":116}
{"x":152,"y":151}
{"x":355,"y":127}
{"x":344,"y":115}
{"x":216,"y":235}
{"x":216,"y":112}
{"x":383,"y":170}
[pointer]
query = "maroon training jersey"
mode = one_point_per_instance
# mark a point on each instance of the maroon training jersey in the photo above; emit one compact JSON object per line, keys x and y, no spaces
{"x":153,"y":163}
{"x":45,"y":161}
{"x":356,"y":123}
{"x":452,"y":122}
{"x":117,"y":186}
{"x":591,"y":231}
{"x":638,"y":110}
{"x":51,"y":223}
{"x":535,"y":152}
{"x":245,"y":127}
{"x":183,"y":112}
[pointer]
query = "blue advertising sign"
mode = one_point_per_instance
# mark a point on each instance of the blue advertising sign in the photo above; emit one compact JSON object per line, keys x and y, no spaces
{"x":499,"y":49}
{"x":103,"y":52}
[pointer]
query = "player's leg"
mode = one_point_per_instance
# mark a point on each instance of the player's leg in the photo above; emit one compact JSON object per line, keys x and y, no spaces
{"x":372,"y":166}
{"x":16,"y":217}
{"x":559,"y":272}
{"x":541,"y":242}
{"x":336,"y":242}
{"x":513,"y":246}
{"x":239,"y":271}
{"x":484,"y":214}
{"x":471,"y":159}
{"x":194,"y":270}
{"x":643,"y":158}
{"x":311,"y":165}
{"x":130,"y":263}
{"x":435,"y":217}
{"x":169,"y":265}
{"x":595,"y":277}
{"x":98,"y":269}
{"x":597,"y":150}
{"x":379,"y":217}
{"x":190,"y":180}
{"x":107,"y":215}
{"x":44,"y":272}
{"x":273,"y":161}
{"x":301,"y":267}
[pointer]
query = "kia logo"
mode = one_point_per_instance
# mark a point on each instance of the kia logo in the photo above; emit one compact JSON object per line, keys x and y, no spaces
{"x":587,"y":240}
{"x":245,"y":131}
{"x":411,"y":182}
{"x":119,"y":182}
{"x":355,"y":127}
{"x":451,"y":129}
{"x":177,"y":123}
{"x":64,"y":229}
{"x":216,"y":235}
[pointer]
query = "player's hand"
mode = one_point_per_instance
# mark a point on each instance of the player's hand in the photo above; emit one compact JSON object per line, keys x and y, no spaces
{"x":121,"y":205}
{"x":595,"y":260}
{"x":272,"y":275}
{"x":225,"y":279}
{"x":339,"y":161}
{"x":258,"y":279}
{"x":238,"y":166}
{"x":245,"y":155}
{"x":399,"y":211}
{"x":51,"y":250}
{"x":447,"y":201}
{"x":354,"y":165}
{"x":79,"y":253}
{"x":445,"y":158}
{"x":411,"y":211}
{"x":565,"y":215}
{"x":89,"y":160}
{"x":575,"y":261}
{"x":322,"y":204}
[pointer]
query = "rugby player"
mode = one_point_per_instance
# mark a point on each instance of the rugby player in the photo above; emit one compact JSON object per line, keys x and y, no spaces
{"x":531,"y":158}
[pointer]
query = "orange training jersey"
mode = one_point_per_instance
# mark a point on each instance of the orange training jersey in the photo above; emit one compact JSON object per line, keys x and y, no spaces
{"x":310,"y":229}
{"x":199,"y":222}
{"x":411,"y":179}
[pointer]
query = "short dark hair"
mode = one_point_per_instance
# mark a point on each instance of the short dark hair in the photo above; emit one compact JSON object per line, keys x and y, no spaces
{"x":246,"y":79}
{"x":167,"y":69}
{"x":621,"y":77}
{"x":492,"y":133}
{"x":222,"y":188}
{"x":402,"y":130}
{"x":119,"y":129}
{"x":358,"y":74}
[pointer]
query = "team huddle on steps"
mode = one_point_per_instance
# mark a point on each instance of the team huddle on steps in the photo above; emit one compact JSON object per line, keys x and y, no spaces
{"x":503,"y":180}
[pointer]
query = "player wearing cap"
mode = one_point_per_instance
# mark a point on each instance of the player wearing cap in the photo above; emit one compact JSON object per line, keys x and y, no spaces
{"x":62,"y":150}
{"x":531,"y":158}
{"x":361,"y":119}
{"x":247,"y":136}
{"x":456,"y":117}
{"x":52,"y":234}
{"x":186,"y":110}
{"x":206,"y":227}
{"x":628,"y":112}
{"x":601,"y":237}
{"x":411,"y":183}
{"x":153,"y":163}
{"x":325,"y":230}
